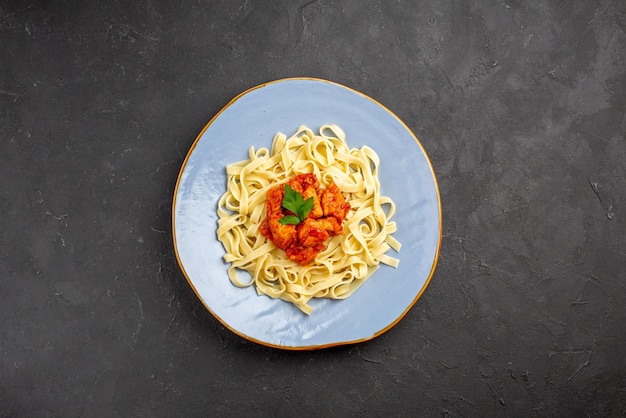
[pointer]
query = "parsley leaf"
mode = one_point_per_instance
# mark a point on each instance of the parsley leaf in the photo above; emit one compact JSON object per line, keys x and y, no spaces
{"x":289,"y":220}
{"x":294,"y":202}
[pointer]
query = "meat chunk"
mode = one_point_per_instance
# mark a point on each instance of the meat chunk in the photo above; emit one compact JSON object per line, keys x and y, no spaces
{"x":303,"y":255}
{"x":282,"y":235}
{"x":333,"y":203}
{"x":312,"y":232}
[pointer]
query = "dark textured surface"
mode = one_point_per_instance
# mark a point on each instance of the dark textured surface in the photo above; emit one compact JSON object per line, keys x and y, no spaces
{"x":520,"y":105}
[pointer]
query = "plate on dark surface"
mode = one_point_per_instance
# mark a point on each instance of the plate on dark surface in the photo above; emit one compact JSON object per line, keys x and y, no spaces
{"x":406,"y":175}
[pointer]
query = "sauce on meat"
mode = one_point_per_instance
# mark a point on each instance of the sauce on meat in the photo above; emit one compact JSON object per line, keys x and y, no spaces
{"x":304,"y":241}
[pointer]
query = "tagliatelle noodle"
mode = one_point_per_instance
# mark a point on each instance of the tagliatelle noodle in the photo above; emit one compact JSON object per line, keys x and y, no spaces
{"x":348,"y":260}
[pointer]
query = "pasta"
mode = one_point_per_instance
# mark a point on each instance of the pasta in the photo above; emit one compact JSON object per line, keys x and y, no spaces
{"x":348,"y":260}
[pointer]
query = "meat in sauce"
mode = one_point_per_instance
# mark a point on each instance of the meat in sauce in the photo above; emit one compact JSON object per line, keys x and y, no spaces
{"x":302,"y":242}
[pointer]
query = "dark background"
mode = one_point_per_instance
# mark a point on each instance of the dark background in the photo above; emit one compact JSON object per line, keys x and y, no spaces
{"x":520,"y":105}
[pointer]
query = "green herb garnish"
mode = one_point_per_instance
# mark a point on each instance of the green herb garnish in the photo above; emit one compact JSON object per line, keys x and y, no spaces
{"x":294,"y":202}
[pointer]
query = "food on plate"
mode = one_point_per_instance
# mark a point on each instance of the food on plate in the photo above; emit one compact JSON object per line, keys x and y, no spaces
{"x":305,"y":219}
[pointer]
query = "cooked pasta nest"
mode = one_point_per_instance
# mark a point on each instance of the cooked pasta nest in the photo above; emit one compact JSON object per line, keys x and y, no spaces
{"x":348,"y":260}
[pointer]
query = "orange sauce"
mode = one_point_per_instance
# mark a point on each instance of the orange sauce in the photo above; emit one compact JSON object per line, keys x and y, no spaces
{"x":304,"y":241}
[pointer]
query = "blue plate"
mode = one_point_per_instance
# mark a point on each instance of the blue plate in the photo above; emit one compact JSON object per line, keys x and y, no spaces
{"x":406,"y":175}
